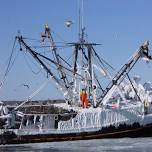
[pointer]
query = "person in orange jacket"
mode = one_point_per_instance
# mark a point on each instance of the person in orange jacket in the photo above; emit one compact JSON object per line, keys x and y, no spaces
{"x":83,"y":97}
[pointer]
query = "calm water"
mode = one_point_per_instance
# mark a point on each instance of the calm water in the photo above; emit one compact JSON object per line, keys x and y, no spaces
{"x":101,"y":145}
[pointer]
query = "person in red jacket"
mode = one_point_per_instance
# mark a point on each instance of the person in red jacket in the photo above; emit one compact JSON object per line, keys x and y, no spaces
{"x":83,"y":97}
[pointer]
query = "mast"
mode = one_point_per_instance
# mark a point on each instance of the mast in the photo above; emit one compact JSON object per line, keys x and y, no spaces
{"x":47,"y":34}
{"x":83,"y":52}
{"x":81,"y":20}
{"x":90,"y":67}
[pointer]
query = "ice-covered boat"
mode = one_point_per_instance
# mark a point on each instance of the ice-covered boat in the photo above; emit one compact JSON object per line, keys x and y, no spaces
{"x":120,"y":108}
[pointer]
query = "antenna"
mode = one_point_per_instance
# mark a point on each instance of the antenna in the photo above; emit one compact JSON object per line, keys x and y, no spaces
{"x":81,"y":22}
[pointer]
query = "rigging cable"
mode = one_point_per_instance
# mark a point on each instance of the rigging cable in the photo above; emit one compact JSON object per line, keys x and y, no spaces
{"x":101,"y":60}
{"x":10,"y":59}
{"x":45,"y":58}
{"x":65,"y":61}
{"x":68,"y":74}
{"x":47,"y":46}
{"x":10,"y":65}
{"x":29,"y":66}
{"x":33,"y":94}
{"x":133,"y":87}
{"x":59,"y":36}
{"x":83,"y":52}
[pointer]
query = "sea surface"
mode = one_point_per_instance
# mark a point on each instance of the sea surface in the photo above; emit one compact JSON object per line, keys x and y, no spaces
{"x":100,"y":145}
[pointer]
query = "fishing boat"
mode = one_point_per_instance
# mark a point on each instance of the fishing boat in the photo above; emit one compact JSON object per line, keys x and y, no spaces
{"x":92,"y":108}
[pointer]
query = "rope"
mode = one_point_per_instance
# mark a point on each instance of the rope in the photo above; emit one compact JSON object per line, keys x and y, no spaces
{"x":101,"y":60}
{"x":29,"y":66}
{"x":9,"y":62}
{"x":10,"y":65}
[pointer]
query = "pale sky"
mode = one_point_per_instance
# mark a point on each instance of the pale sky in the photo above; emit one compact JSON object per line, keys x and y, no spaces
{"x":121,"y":26}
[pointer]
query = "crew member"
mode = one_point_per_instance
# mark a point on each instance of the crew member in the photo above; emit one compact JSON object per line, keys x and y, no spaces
{"x":83,"y":97}
{"x":94,"y":89}
{"x":145,"y":106}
